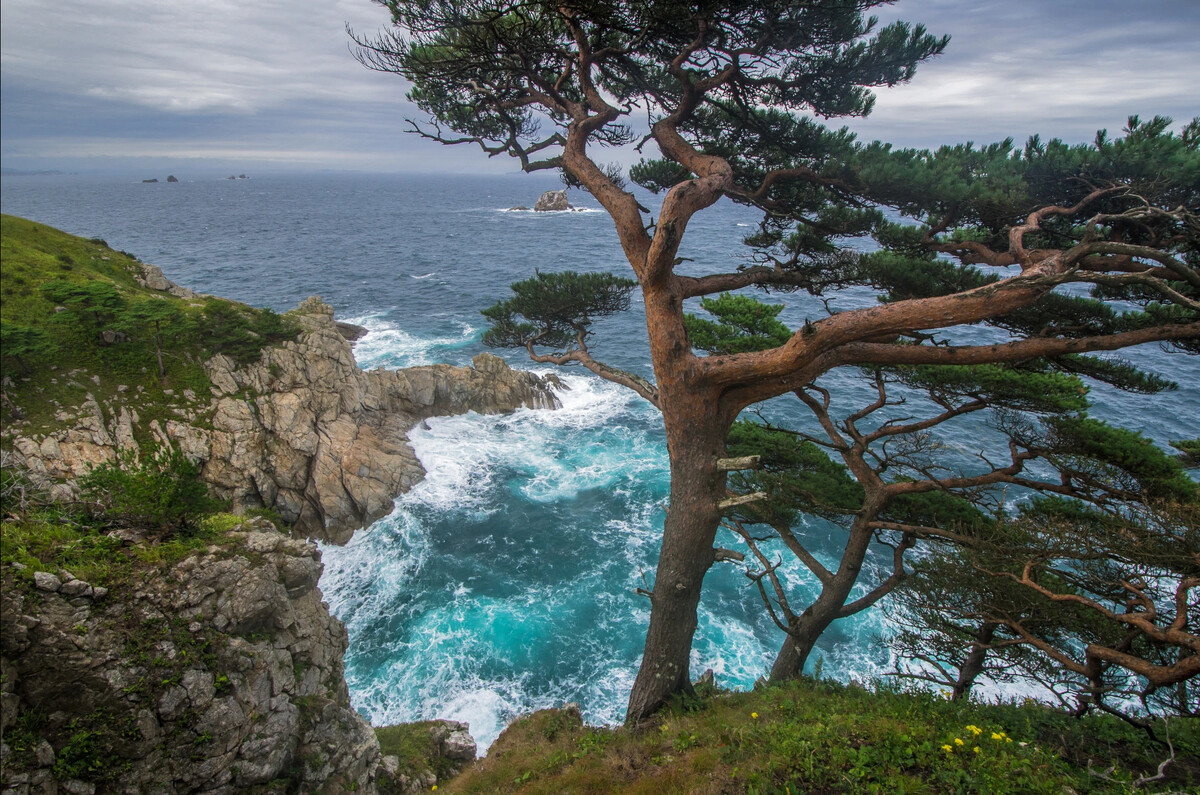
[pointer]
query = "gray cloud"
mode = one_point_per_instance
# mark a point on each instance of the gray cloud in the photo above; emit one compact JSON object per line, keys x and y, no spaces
{"x":272,"y":81}
{"x":1062,"y":69}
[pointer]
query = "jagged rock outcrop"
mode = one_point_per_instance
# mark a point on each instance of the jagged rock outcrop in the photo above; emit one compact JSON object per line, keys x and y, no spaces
{"x":219,"y":673}
{"x":153,"y":278}
{"x":304,"y":430}
{"x":552,"y":201}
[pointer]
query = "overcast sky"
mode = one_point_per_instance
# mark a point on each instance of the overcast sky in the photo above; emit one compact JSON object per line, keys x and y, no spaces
{"x":271,"y":84}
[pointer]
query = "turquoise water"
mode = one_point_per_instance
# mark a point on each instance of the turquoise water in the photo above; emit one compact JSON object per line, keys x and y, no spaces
{"x":505,"y":581}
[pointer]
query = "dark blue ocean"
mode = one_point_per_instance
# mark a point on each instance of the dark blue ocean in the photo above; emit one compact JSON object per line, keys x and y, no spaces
{"x":505,"y":581}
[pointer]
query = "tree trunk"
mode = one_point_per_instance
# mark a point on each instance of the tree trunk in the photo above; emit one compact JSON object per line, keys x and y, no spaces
{"x":695,"y":440}
{"x":162,"y":371}
{"x":969,"y":671}
{"x":805,"y":629}
{"x":801,"y":638}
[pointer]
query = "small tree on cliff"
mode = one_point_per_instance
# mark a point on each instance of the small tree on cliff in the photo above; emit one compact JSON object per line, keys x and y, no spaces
{"x":724,"y":86}
{"x":153,"y":315}
{"x":24,"y":344}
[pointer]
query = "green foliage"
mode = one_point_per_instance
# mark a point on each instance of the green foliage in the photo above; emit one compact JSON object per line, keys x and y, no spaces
{"x":1050,"y":595}
{"x":937,"y":509}
{"x":160,"y":491}
{"x":797,"y":474}
{"x":165,"y":341}
{"x":240,"y":332}
{"x":1105,"y":456}
{"x":471,"y":63}
{"x":153,"y":312}
{"x":94,"y":302}
{"x":24,"y":344}
{"x":414,"y":745}
{"x":743,"y":324}
{"x":1029,"y":386}
{"x":551,"y":309}
{"x":658,"y":175}
{"x":1190,"y":449}
{"x":82,"y":757}
{"x":1123,"y":375}
{"x":806,"y":736}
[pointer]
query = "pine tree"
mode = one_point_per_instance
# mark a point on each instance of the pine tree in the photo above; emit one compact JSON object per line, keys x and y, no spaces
{"x":731,"y":90}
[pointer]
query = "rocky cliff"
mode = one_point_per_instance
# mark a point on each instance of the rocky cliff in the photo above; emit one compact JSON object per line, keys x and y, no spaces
{"x":220,"y":673}
{"x":303,"y":430}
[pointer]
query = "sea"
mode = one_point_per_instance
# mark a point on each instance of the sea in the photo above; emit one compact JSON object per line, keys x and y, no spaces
{"x":506,"y":580}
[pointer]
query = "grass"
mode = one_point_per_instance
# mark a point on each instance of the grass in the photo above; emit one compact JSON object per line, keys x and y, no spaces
{"x":124,"y":374}
{"x":414,"y":746}
{"x":820,"y":737}
{"x":51,"y":540}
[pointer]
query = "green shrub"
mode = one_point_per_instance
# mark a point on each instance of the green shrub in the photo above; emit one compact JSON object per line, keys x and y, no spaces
{"x":161,"y":491}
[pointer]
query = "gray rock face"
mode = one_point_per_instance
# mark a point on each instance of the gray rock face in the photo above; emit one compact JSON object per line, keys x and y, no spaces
{"x":153,"y":278}
{"x":552,"y":201}
{"x":304,"y":430}
{"x":350,"y":331}
{"x":454,"y":741}
{"x":181,"y":705}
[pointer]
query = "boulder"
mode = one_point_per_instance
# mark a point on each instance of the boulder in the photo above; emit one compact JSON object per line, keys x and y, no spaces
{"x":351,"y":332}
{"x":552,"y":201}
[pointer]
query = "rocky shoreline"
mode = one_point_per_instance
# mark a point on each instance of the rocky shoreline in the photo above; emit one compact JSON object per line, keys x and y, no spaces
{"x":222,"y":672}
{"x":303,"y":431}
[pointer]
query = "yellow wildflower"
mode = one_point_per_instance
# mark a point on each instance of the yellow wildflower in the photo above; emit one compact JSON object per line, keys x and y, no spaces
{"x":997,"y":736}
{"x":958,"y":742}
{"x":974,"y":730}
{"x":975,"y":749}
{"x":948,"y":749}
{"x":754,"y":715}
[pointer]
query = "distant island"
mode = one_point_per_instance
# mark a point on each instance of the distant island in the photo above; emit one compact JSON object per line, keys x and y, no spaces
{"x":18,"y":172}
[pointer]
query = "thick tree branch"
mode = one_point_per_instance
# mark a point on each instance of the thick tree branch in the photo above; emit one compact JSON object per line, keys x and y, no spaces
{"x":638,"y":384}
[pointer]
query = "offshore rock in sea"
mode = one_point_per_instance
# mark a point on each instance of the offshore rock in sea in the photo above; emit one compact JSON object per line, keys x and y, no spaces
{"x":552,"y":201}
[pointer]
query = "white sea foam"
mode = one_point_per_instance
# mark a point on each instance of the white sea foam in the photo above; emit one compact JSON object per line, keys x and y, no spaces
{"x":558,"y":453}
{"x":388,"y":345}
{"x":550,"y":213}
{"x":436,"y":631}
